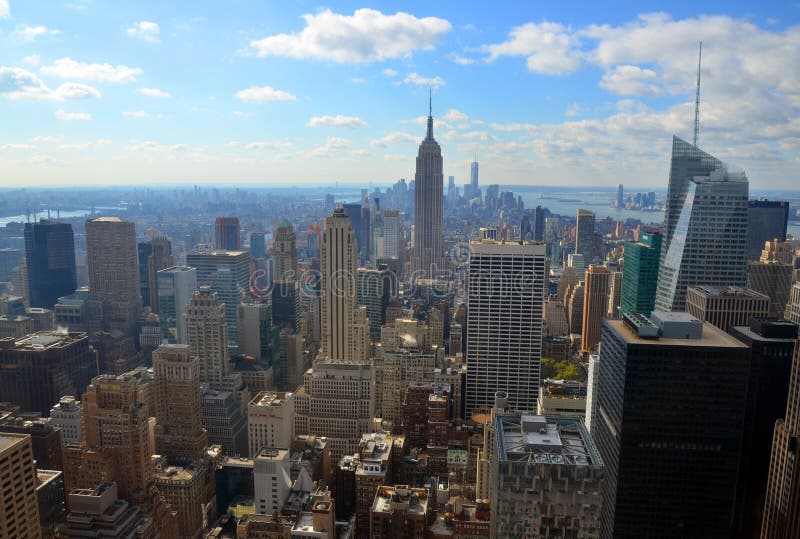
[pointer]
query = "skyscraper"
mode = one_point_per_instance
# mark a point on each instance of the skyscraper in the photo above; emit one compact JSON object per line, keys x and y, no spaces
{"x":391,"y":234}
{"x":595,"y":306}
{"x":707,"y":244}
{"x":766,"y":221}
{"x":640,"y":274}
{"x":667,"y":439}
{"x":174,"y":287}
{"x":160,"y":258}
{"x":207,"y":336}
{"x":179,"y":426}
{"x":284,"y":254}
{"x":50,"y":262}
{"x":338,"y":268}
{"x":428,"y":205}
{"x":782,"y":507}
{"x":372,"y":290}
{"x":20,"y":511}
{"x":473,"y":177}
{"x":620,"y":195}
{"x":228,"y":274}
{"x":772,"y":275}
{"x":584,"y":235}
{"x":507,"y":284}
{"x":353,"y":211}
{"x":226,"y":234}
{"x":258,"y":245}
{"x":114,"y":296}
{"x":726,"y":307}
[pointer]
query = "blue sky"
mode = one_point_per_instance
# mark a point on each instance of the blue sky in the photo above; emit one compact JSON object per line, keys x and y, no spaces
{"x":288,"y":92}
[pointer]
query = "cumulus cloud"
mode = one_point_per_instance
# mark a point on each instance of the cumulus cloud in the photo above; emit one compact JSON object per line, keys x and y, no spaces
{"x":154,"y":92}
{"x":337,"y":121}
{"x":32,"y":59}
{"x":137,"y":114}
{"x":366,"y":36}
{"x":16,"y":147}
{"x":266,"y":145}
{"x":20,"y":84}
{"x":455,"y":115}
{"x":462,"y":60}
{"x":5,"y":12}
{"x":67,"y":68}
{"x":419,"y":80}
{"x":145,"y":30}
{"x":333,"y":147}
{"x":30,"y":33}
{"x":549,"y":48}
{"x":260,"y":94}
{"x":389,"y":72}
{"x":631,"y":80}
{"x":393,"y":138}
{"x":61,"y":114}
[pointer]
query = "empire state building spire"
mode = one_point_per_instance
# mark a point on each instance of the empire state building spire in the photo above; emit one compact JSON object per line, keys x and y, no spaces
{"x":428,"y":205}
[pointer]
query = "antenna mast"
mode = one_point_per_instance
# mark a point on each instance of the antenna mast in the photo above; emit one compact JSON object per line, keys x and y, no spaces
{"x":697,"y":98}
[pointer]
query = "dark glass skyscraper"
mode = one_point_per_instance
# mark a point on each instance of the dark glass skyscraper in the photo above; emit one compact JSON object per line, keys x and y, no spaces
{"x":766,"y":221}
{"x":668,"y":425}
{"x":50,"y":257}
{"x":640,"y":274}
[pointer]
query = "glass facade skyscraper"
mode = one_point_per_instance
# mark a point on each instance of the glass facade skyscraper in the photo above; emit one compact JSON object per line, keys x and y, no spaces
{"x":50,"y":258}
{"x":640,"y":274}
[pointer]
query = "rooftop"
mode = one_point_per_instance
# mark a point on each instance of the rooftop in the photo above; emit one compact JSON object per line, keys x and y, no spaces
{"x":712,"y":336}
{"x":270,"y":398}
{"x":413,"y":501}
{"x":43,"y":340}
{"x":8,"y":439}
{"x":544,"y":440}
{"x":726,"y":291}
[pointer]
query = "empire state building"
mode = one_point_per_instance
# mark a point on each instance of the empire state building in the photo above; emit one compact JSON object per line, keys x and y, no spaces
{"x":428,"y":206}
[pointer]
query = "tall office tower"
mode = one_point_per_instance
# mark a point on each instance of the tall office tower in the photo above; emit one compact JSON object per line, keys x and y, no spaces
{"x":766,"y":221}
{"x":36,"y":371}
{"x":338,"y":269}
{"x":666,"y":438}
{"x":272,"y":480}
{"x":160,"y":258}
{"x":614,"y":294}
{"x":258,"y":245}
{"x":224,"y":420}
{"x":337,"y":400}
{"x":313,"y":240}
{"x":365,"y":245}
{"x":66,"y":415}
{"x":228,"y":274}
{"x":284,"y":253}
{"x":555,"y":318}
{"x":179,"y":434}
{"x":781,"y":518}
{"x":391,"y":234}
{"x":143,"y":251}
{"x":595,"y":306}
{"x":771,"y":344}
{"x":620,"y":197}
{"x":545,"y":479}
{"x":372,"y":290}
{"x":114,"y":297}
{"x":45,"y":438}
{"x":207,"y":336}
{"x":591,"y":390}
{"x":428,"y":206}
{"x":19,"y":518}
{"x":773,"y":275}
{"x":584,"y":235}
{"x":578,"y":262}
{"x":353,"y":211}
{"x":575,"y":308}
{"x":50,"y":262}
{"x":640,"y":274}
{"x":473,"y":177}
{"x":726,"y":307}
{"x":705,"y":227}
{"x":9,"y":258}
{"x":226,"y":234}
{"x":378,"y":237}
{"x":174,"y":287}
{"x":360,"y":349}
{"x":793,"y":305}
{"x":256,"y":335}
{"x":537,"y":224}
{"x":292,"y":365}
{"x":507,"y":287}
{"x":270,"y":421}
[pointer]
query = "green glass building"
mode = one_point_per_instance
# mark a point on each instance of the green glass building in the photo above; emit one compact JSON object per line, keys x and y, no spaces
{"x":640,"y":274}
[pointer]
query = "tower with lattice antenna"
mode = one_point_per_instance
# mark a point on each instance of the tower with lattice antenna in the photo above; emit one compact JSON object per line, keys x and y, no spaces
{"x":697,"y":98}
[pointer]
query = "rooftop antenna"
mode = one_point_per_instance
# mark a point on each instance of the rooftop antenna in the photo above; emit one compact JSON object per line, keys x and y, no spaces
{"x":430,"y":101}
{"x":697,"y":98}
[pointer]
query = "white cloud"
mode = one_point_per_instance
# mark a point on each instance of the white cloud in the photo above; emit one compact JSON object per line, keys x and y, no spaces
{"x":16,"y":147}
{"x":550,"y":48}
{"x":573,"y":109}
{"x":260,"y":94}
{"x":20,"y":84}
{"x":154,"y":92}
{"x":30,"y":33}
{"x":45,"y":138}
{"x":137,"y":114}
{"x":156,"y":147}
{"x":393,"y":138}
{"x":61,"y":114}
{"x":67,"y":68}
{"x":333,"y":147}
{"x":418,"y":80}
{"x":462,"y":60}
{"x":32,"y":59}
{"x":145,"y":30}
{"x":267,"y":145}
{"x":241,"y":114}
{"x":337,"y":121}
{"x":512,"y":127}
{"x":366,"y":36}
{"x":455,"y":115}
{"x":358,"y":80}
{"x":233,"y":144}
{"x":389,"y":72}
{"x":5,"y":12}
{"x":76,"y":146}
{"x":631,"y":80}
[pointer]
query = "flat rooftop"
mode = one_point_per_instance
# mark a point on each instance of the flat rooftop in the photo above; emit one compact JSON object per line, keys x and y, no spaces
{"x":46,"y":339}
{"x":9,"y":439}
{"x":270,"y":398}
{"x":544,"y":440}
{"x":726,"y":292}
{"x":712,"y":337}
{"x":412,"y":501}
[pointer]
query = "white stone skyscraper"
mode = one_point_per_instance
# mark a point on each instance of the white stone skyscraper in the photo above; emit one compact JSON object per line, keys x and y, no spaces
{"x":338,"y":268}
{"x":391,"y":234}
{"x":705,"y":243}
{"x":428,"y":206}
{"x":207,"y":335}
{"x":507,"y":287}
